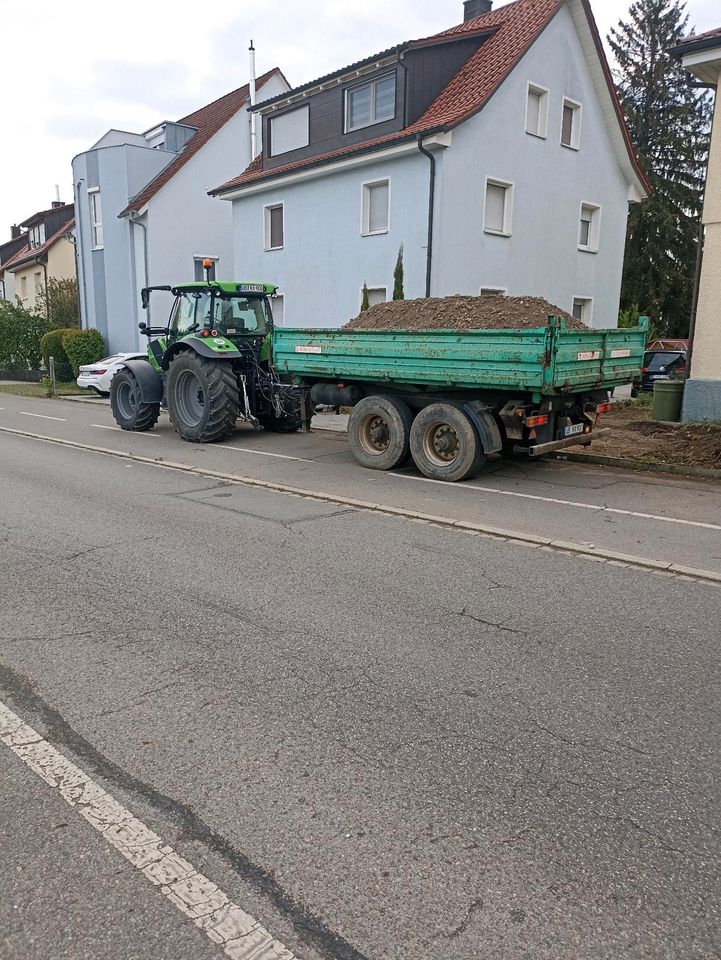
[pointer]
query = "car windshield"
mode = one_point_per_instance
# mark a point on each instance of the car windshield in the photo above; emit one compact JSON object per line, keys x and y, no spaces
{"x":233,"y":315}
{"x":656,"y":362}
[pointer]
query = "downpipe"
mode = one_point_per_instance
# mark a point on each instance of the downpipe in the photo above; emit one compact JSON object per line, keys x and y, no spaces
{"x":431,"y":212}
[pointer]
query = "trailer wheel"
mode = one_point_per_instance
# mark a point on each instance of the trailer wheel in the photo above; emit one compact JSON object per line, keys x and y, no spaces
{"x":379,"y":432}
{"x":203,"y":397}
{"x":126,"y":402}
{"x":445,"y":445}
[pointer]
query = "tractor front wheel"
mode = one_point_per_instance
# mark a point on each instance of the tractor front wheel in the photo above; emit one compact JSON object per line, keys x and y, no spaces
{"x":203,"y":397}
{"x":126,"y":401}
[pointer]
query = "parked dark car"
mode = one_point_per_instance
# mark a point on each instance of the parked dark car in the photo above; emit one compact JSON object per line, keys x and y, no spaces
{"x":659,"y":365}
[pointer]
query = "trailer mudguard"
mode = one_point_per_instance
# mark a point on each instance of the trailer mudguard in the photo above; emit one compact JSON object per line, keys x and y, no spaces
{"x":150,"y":382}
{"x":203,"y":349}
{"x":485,"y":423}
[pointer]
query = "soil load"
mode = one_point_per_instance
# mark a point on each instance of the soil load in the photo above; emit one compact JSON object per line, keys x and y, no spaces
{"x":462,"y":313}
{"x":635,"y":436}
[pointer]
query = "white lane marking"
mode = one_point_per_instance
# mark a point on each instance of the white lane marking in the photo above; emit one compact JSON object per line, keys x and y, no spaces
{"x":102,"y":426}
{"x":599,"y":508}
{"x":262,"y":453}
{"x":240,"y":936}
{"x":42,"y":416}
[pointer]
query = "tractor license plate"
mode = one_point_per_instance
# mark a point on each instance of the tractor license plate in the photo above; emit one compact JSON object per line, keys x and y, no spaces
{"x":573,"y":430}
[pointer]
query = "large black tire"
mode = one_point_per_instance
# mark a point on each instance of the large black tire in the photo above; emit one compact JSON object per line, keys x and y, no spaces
{"x":126,"y":402}
{"x":445,"y":445}
{"x":379,"y":432}
{"x":203,"y":397}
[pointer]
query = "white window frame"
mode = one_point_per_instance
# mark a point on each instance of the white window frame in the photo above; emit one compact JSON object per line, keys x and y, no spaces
{"x":587,"y":312}
{"x":594,"y":233}
{"x":267,"y":229}
{"x":37,"y":235}
{"x":545,"y":93}
{"x":486,"y":290}
{"x":347,"y":128}
{"x":509,"y":187}
{"x":197,"y":257}
{"x":366,"y":188}
{"x":575,"y":143}
{"x":374,"y":286}
{"x":95,"y":225}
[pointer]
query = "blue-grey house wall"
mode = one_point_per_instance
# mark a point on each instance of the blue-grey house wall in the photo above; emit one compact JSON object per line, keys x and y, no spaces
{"x":325,"y":259}
{"x":106,"y":275}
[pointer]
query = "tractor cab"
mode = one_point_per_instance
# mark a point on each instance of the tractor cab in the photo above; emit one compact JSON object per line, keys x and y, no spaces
{"x":233,"y":310}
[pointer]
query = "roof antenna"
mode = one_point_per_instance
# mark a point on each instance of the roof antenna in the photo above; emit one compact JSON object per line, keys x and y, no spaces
{"x":253,"y":133}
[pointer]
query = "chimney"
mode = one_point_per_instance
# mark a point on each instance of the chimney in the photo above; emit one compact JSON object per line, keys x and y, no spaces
{"x":476,"y":8}
{"x":57,"y":202}
{"x":15,"y":232}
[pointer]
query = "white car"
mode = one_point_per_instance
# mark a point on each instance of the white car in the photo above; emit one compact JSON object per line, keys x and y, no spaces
{"x":97,"y":376}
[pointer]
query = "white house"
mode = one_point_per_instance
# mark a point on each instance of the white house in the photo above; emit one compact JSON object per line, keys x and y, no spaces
{"x":143,"y":213}
{"x":494,"y":152}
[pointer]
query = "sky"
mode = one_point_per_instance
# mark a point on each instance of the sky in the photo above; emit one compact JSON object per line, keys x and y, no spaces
{"x":70,"y":71}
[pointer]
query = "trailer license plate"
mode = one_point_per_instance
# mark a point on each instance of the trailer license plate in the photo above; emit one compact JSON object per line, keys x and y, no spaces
{"x":573,"y":430}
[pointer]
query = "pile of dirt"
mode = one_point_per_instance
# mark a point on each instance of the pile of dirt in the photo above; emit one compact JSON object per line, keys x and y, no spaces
{"x":635,"y":436}
{"x":462,"y":313}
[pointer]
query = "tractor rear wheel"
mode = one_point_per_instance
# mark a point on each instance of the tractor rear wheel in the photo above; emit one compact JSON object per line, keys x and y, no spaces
{"x":203,"y":397}
{"x":126,"y":401}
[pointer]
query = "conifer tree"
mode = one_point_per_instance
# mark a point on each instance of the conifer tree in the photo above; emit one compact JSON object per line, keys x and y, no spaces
{"x":669,"y":121}
{"x":398,"y":293}
{"x":365,"y":301}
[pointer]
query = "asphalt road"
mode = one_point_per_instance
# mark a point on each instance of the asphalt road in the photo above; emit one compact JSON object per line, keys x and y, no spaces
{"x":380,"y":738}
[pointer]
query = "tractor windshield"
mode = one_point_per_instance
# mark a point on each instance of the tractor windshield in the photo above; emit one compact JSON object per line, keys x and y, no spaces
{"x":232,"y":315}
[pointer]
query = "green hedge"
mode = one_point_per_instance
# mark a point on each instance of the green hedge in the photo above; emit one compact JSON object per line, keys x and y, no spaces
{"x":83,"y":346}
{"x":53,"y":346}
{"x":20,"y":335}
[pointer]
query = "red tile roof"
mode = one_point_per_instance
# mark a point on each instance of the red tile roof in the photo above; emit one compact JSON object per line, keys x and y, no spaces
{"x":514,"y":28}
{"x":208,"y":120}
{"x":698,"y":41}
{"x":29,"y":253}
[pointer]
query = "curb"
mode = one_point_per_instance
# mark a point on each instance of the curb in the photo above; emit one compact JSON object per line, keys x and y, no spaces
{"x":495,"y":533}
{"x":642,"y":466}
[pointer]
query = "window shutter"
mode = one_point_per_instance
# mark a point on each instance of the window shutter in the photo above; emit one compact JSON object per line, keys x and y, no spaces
{"x":276,"y":227}
{"x":290,"y":131}
{"x":534,"y":112}
{"x":495,"y":208}
{"x":378,"y":208}
{"x":568,"y":117}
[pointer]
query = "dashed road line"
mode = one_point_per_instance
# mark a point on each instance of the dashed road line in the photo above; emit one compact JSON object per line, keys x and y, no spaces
{"x":596,"y":507}
{"x":261,"y":453}
{"x":146,"y":433}
{"x":239,"y":935}
{"x":42,"y":416}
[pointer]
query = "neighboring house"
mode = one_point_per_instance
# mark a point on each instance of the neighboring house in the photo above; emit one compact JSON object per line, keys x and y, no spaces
{"x":41,"y":248}
{"x":495,"y":152}
{"x":143,"y":213}
{"x":701,"y":55}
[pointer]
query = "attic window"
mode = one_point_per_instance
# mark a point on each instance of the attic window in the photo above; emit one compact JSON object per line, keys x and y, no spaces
{"x":571,"y":127}
{"x":370,"y":103}
{"x":290,"y":131}
{"x":537,"y":111}
{"x":37,"y":235}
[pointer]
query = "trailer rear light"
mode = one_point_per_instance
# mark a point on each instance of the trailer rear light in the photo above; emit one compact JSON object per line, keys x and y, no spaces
{"x":603,"y":408}
{"x":533,"y":422}
{"x":206,"y":333}
{"x":644,"y":369}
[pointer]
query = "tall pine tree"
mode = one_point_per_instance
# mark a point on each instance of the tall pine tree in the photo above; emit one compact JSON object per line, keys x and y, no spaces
{"x":669,"y":122}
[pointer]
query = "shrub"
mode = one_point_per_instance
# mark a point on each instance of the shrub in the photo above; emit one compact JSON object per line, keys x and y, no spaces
{"x":52,"y":346}
{"x":83,"y":346}
{"x":59,"y":301}
{"x":20,"y":337}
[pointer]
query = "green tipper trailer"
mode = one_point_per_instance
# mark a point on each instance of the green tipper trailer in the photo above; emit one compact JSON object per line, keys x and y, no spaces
{"x":450,"y":398}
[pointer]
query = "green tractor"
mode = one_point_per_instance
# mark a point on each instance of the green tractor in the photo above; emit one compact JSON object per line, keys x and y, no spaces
{"x":210,"y":366}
